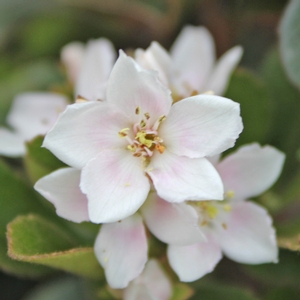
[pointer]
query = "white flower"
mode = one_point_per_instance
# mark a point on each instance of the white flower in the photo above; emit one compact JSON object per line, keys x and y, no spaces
{"x":191,"y":67}
{"x":88,"y":67}
{"x":136,"y":134}
{"x":152,"y":284}
{"x":31,"y":114}
{"x":241,"y":230}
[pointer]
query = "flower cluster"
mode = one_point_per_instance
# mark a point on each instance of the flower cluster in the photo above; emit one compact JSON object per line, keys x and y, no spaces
{"x":143,"y":144}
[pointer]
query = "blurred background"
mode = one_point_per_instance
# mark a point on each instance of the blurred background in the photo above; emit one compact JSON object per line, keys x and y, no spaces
{"x":32,"y":33}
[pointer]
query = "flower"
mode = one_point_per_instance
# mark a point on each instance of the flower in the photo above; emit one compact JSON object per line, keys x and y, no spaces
{"x":240,"y":229}
{"x":88,"y":67}
{"x":135,"y":135}
{"x":31,"y":114}
{"x":191,"y":67}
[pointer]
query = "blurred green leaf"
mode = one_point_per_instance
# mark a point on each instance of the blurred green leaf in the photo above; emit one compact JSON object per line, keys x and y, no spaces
{"x":40,"y":161}
{"x":290,"y":41}
{"x":61,"y":288}
{"x":283,"y":293}
{"x":222,"y":292}
{"x":32,"y":239}
{"x":284,"y":274}
{"x":182,"y":291}
{"x":248,"y":90}
{"x":33,"y":76}
{"x":16,"y":198}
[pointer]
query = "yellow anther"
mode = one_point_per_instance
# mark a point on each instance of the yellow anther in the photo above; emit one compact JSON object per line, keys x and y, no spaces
{"x":229,"y":194}
{"x":127,"y":184}
{"x":138,"y":110}
{"x":131,"y":148}
{"x":204,"y":223}
{"x":81,"y":99}
{"x":161,"y":119}
{"x":141,"y":137}
{"x":160,"y":148}
{"x":123,"y":132}
{"x":212,"y":211}
{"x":143,"y":124}
{"x":227,"y":207}
{"x":224,"y":226}
{"x":147,"y":115}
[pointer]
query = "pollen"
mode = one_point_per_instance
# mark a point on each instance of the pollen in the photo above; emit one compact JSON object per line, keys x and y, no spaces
{"x":160,"y":148}
{"x":212,"y":211}
{"x":229,"y":194}
{"x":227,"y":207}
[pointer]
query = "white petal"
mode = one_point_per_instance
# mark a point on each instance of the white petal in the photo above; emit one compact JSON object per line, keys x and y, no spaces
{"x":194,"y":261}
{"x":172,"y":223}
{"x":203,"y":125}
{"x":11,"y":144}
{"x":249,"y":237}
{"x":214,"y":159}
{"x":179,"y":178}
{"x":193,"y":55}
{"x":115,"y":185}
{"x":62,"y":189}
{"x":97,"y":64}
{"x":121,"y":248}
{"x":35,"y":113}
{"x":220,"y":76}
{"x":83,"y":130}
{"x":151,"y":284}
{"x":72,"y":57}
{"x":130,"y":87}
{"x":251,"y":170}
{"x":155,"y":58}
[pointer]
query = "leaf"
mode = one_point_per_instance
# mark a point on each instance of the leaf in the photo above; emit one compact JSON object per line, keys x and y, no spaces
{"x":289,"y":41}
{"x":182,"y":291}
{"x":283,"y":293}
{"x":32,"y":239}
{"x":40,"y":161}
{"x":250,"y":91}
{"x":16,"y":198}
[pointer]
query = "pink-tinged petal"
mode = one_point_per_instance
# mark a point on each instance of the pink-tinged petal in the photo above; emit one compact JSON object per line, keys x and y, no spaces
{"x":194,"y":261}
{"x":172,"y":223}
{"x":193,"y":55}
{"x":202,"y":125}
{"x":72,"y":56}
{"x":155,"y":58}
{"x":98,"y":60}
{"x":251,"y":170}
{"x":219,"y":78}
{"x":131,"y":86}
{"x":152,"y":284}
{"x":115,"y":185}
{"x":62,"y":189}
{"x":179,"y":178}
{"x":83,"y":130}
{"x":121,"y":249}
{"x":214,"y":159}
{"x":11,"y":144}
{"x":249,"y":236}
{"x":35,"y":113}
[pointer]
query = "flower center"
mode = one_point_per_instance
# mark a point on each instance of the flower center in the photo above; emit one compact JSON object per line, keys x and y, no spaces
{"x":143,"y":138}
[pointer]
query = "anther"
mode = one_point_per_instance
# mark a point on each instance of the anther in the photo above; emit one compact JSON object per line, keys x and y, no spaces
{"x":147,"y":115}
{"x":138,"y":110}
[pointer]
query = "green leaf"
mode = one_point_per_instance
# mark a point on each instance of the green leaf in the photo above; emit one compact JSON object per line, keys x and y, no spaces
{"x":182,"y":291}
{"x":32,"y":239}
{"x":40,"y":161}
{"x":16,"y":198}
{"x":290,"y":42}
{"x":223,"y":292}
{"x":283,"y":293}
{"x":62,"y":288}
{"x":248,"y":90}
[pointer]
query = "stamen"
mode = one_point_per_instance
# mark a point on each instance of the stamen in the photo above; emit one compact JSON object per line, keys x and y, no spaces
{"x":160,"y":148}
{"x":123,"y":132}
{"x":143,"y":123}
{"x":138,"y":110}
{"x":147,"y":115}
{"x":81,"y":99}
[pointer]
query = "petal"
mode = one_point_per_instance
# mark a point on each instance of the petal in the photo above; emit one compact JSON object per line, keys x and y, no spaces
{"x":214,"y":159}
{"x":151,"y":284}
{"x":62,"y":189}
{"x":193,"y":55}
{"x":12,"y":145}
{"x":115,"y":185}
{"x":83,"y":130}
{"x":72,"y":56}
{"x":97,"y":64}
{"x":121,"y":249}
{"x":130,"y":86}
{"x":203,"y":125}
{"x":35,"y":113}
{"x":251,"y":170}
{"x":194,"y":261}
{"x":178,"y":178}
{"x":172,"y":223}
{"x":155,"y":58}
{"x":249,"y":237}
{"x":220,"y":76}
